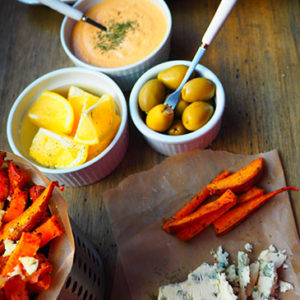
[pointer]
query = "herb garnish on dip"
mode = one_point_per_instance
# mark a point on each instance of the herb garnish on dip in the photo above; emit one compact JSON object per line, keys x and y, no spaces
{"x":135,"y":29}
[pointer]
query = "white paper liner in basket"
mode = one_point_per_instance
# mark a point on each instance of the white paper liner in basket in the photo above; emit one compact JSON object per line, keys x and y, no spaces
{"x":62,"y":249}
{"x":150,"y":257}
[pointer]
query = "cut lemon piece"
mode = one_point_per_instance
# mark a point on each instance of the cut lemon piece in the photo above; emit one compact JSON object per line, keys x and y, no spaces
{"x":57,"y":151}
{"x":52,"y":111}
{"x":80,"y":101}
{"x":96,"y":122}
{"x":94,"y":150}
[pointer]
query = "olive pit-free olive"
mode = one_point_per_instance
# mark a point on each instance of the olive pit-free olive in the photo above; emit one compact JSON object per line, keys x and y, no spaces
{"x":151,"y":94}
{"x":196,"y":115}
{"x":160,"y":118}
{"x":180,"y":107}
{"x":172,"y":76}
{"x":176,"y":128}
{"x":198,"y":89}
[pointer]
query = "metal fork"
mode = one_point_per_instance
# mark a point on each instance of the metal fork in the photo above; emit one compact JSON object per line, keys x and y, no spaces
{"x":215,"y":25}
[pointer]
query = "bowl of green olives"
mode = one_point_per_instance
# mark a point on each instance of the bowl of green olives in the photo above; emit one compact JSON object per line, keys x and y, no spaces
{"x":196,"y":120}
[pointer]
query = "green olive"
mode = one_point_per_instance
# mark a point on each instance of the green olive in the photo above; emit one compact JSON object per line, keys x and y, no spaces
{"x":160,"y":118}
{"x":151,"y":94}
{"x":177,"y":128}
{"x":198,"y":89}
{"x":172,"y":76}
{"x":196,"y":115}
{"x":180,"y":107}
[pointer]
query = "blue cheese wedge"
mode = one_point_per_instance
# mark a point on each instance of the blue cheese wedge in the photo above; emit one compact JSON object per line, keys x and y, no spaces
{"x":267,"y":282}
{"x":221,"y":281}
{"x":244,"y":274}
{"x":221,"y":258}
{"x":204,"y":283}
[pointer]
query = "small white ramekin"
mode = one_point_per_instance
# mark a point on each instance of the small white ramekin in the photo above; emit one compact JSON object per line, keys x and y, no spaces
{"x":167,"y":144}
{"x":124,"y":76}
{"x":95,"y":82}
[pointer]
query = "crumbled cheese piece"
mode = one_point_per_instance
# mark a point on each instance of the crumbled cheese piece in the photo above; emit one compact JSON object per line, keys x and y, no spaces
{"x":9,"y":246}
{"x":285,"y":266}
{"x":8,"y":198}
{"x":248,"y":247}
{"x":267,"y":282}
{"x":17,"y":271}
{"x":244,"y":273}
{"x":285,"y":286}
{"x":30,"y":264}
{"x":231,"y":274}
{"x":268,"y":255}
{"x":221,"y":259}
{"x":272,"y":248}
{"x":225,"y":289}
{"x":11,"y":230}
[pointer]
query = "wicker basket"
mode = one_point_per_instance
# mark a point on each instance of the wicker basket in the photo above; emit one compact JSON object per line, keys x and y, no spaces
{"x":86,"y":280}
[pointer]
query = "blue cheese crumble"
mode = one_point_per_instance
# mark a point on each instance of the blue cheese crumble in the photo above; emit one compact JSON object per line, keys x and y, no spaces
{"x":257,"y":280}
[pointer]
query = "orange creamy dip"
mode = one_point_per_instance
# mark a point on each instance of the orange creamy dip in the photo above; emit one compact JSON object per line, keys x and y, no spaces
{"x":147,"y":30}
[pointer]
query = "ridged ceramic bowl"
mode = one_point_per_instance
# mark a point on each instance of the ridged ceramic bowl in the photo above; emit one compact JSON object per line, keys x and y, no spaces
{"x":167,"y":144}
{"x":94,"y":82}
{"x":124,"y":76}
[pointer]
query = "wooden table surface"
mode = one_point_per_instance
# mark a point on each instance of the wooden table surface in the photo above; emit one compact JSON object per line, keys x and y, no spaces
{"x":256,"y":56}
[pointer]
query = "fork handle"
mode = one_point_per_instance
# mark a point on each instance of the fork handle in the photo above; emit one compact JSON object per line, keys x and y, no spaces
{"x":63,"y":8}
{"x":218,"y":20}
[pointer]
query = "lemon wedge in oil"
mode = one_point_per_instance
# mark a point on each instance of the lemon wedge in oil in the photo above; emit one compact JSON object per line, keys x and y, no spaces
{"x":52,"y":111}
{"x":97,"y":122}
{"x":57,"y":151}
{"x":80,"y":101}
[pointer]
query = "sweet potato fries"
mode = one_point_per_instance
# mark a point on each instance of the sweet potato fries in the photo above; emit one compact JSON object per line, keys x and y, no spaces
{"x":26,"y":228}
{"x":237,"y":198}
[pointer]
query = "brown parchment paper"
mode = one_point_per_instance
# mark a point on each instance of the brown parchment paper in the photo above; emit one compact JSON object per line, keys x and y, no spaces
{"x":150,"y":257}
{"x":62,"y":249}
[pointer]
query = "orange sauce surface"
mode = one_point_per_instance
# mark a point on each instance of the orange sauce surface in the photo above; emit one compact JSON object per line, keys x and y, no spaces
{"x":149,"y":26}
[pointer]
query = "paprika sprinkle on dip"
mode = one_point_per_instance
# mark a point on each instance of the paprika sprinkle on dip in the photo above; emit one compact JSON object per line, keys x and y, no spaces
{"x":135,"y":28}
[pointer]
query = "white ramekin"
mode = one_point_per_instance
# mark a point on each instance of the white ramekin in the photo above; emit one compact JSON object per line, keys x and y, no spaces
{"x":98,"y":83}
{"x":167,"y":144}
{"x":125,"y":76}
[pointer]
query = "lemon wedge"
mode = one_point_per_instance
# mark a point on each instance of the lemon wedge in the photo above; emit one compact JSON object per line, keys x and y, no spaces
{"x":96,"y":122}
{"x":57,"y":151}
{"x":94,"y":150}
{"x":52,"y":111}
{"x":80,"y":101}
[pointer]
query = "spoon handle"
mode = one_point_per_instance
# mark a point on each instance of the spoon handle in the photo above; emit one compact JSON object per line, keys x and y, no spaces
{"x":218,"y":20}
{"x":64,"y":9}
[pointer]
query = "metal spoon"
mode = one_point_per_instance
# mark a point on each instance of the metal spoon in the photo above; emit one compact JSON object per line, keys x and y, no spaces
{"x":71,"y":12}
{"x":215,"y":25}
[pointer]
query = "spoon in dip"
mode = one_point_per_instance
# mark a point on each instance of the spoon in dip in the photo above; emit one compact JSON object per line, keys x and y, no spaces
{"x":71,"y":12}
{"x":215,"y":25}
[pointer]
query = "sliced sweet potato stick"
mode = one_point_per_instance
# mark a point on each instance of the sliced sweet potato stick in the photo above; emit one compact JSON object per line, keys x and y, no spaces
{"x":254,"y":192}
{"x":15,"y":289}
{"x":28,"y":245}
{"x":194,"y":203}
{"x":49,"y":230}
{"x":17,"y":177}
{"x":239,"y":181}
{"x":29,"y":218}
{"x":191,"y":231}
{"x":16,"y":206}
{"x":4,"y":186}
{"x":227,"y":198}
{"x":35,"y":191}
{"x":235,"y":216}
